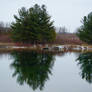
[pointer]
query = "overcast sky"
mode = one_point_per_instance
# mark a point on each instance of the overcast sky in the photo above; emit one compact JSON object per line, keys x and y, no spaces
{"x":66,"y":13}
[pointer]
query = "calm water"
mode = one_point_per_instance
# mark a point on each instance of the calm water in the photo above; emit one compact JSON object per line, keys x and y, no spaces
{"x":41,"y":72}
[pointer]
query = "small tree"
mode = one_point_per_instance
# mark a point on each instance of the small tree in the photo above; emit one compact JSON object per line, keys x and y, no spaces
{"x":85,"y":31}
{"x":33,"y":25}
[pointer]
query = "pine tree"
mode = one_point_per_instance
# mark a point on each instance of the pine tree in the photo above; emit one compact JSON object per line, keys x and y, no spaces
{"x":85,"y":31}
{"x":33,"y":26}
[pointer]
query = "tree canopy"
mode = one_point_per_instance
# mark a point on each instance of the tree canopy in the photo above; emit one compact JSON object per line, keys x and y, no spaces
{"x":33,"y":25}
{"x":85,"y":31}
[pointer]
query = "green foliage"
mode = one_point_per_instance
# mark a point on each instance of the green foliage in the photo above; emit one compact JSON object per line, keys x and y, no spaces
{"x":32,"y":68}
{"x":85,"y":62}
{"x":33,"y":26}
{"x":85,"y":31}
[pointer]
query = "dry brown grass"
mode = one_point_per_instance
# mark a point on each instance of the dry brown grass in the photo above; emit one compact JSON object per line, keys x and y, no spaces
{"x":67,"y":39}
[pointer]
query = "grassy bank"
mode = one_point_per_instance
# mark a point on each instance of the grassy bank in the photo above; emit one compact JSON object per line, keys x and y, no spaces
{"x":68,"y":38}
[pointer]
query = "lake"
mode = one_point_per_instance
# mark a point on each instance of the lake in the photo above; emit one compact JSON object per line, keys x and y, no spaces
{"x":24,"y":71}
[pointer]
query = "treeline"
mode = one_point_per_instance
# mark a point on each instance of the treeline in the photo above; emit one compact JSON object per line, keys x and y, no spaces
{"x":4,"y":28}
{"x":62,"y":30}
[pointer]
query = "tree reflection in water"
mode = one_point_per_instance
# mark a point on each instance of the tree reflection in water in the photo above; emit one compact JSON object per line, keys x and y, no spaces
{"x":85,"y":62}
{"x":32,"y":68}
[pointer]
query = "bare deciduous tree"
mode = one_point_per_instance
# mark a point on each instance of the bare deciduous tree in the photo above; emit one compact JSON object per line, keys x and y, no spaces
{"x":4,"y":27}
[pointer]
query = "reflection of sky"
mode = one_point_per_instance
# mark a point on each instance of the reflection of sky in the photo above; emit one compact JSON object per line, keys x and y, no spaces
{"x":65,"y":77}
{"x":64,"y":12}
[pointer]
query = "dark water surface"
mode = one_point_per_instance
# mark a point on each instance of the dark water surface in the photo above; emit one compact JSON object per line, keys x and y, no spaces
{"x":45,"y":72}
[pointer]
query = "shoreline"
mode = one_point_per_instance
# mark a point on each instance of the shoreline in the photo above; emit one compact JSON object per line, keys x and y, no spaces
{"x":8,"y":47}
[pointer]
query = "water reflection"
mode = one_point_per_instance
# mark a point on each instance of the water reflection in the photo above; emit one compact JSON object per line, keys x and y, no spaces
{"x":85,"y":62}
{"x":32,"y":68}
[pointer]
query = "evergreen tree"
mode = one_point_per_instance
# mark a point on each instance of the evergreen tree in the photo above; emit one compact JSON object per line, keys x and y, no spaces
{"x":33,"y":26}
{"x":85,"y":31}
